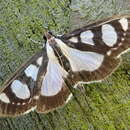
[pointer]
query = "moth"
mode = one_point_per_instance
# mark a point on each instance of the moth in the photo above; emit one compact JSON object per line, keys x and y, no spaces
{"x":88,"y":54}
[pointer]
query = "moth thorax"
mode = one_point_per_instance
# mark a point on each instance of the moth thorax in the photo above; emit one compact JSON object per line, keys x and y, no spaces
{"x":50,"y":38}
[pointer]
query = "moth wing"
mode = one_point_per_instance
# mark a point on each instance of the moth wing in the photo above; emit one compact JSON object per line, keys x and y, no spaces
{"x":54,"y":91}
{"x":94,"y":50}
{"x":109,"y":36}
{"x":18,"y":93}
{"x":87,"y":66}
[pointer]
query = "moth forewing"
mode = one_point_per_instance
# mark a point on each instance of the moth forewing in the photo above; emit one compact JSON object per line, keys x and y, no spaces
{"x":109,"y":36}
{"x":93,"y":25}
{"x":54,"y":91}
{"x":16,"y":96}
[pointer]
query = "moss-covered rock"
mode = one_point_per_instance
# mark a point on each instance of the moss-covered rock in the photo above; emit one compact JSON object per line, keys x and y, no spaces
{"x":98,"y":106}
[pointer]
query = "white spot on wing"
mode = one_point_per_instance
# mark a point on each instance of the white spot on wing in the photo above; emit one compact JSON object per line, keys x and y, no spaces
{"x":53,"y":80}
{"x":20,"y":90}
{"x":122,"y":39}
{"x":4,"y":98}
{"x":124,"y":34}
{"x":32,"y":71}
{"x":36,"y":97}
{"x":109,"y":52}
{"x":109,"y":35}
{"x":87,"y":37}
{"x":80,"y":60}
{"x":39,"y":61}
{"x":74,"y":39}
{"x":18,"y":103}
{"x":124,"y":23}
{"x":50,"y":52}
{"x":23,"y":103}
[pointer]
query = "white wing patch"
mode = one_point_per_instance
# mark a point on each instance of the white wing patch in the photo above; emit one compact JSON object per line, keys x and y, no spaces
{"x":88,"y":61}
{"x":124,"y":23}
{"x":109,"y":35}
{"x":4,"y":98}
{"x":87,"y":37}
{"x":39,"y":61}
{"x":53,"y":80}
{"x":80,"y":60}
{"x":74,"y":39}
{"x":32,"y":71}
{"x":20,"y":90}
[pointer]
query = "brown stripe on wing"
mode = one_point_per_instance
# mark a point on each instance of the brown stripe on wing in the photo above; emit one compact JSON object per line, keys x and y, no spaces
{"x":49,"y":103}
{"x":107,"y":67}
{"x":16,"y":106}
{"x":63,"y":61}
{"x":12,"y":110}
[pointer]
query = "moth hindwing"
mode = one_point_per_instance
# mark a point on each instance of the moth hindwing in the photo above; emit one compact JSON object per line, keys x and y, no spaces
{"x":85,"y":55}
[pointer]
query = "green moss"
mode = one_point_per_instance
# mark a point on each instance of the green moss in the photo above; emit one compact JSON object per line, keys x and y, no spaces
{"x":99,"y":106}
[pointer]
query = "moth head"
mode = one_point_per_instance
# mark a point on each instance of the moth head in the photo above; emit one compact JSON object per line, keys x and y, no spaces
{"x":50,"y":38}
